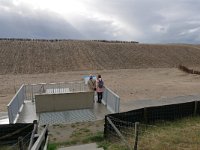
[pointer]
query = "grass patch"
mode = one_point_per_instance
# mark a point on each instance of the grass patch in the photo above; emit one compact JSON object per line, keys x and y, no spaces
{"x":180,"y":134}
{"x":52,"y":146}
{"x":79,"y":136}
{"x":4,"y":147}
{"x":176,"y":135}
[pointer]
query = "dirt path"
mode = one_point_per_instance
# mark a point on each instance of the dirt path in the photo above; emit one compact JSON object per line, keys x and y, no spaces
{"x":129,"y":84}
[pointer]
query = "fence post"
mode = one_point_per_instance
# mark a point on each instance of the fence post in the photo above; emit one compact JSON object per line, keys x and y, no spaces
{"x":145,"y":115}
{"x":33,"y":134}
{"x":106,"y":96}
{"x":25,"y":96}
{"x":20,"y":143}
{"x":136,"y":135}
{"x":118,"y":103}
{"x":195,"y":108}
{"x":32,"y":92}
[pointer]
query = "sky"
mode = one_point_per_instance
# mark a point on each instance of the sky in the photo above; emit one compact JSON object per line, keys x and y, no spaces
{"x":145,"y":21}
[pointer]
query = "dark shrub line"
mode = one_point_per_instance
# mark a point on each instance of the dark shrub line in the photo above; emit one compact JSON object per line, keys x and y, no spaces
{"x":187,"y":70}
{"x":56,"y":40}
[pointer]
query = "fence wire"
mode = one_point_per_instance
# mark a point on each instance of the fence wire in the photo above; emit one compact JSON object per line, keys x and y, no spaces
{"x":24,"y":140}
{"x":164,"y":136}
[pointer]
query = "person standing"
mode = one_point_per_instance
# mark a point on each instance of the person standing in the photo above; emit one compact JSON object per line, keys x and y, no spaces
{"x":92,"y":83}
{"x":99,"y":88}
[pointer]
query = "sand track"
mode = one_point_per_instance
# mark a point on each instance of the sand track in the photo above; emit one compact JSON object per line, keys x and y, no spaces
{"x":129,"y":84}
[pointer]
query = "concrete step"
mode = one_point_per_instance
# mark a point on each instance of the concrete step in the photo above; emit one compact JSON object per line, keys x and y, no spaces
{"x":91,"y":146}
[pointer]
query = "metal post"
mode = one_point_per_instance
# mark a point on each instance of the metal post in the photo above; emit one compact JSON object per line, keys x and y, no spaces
{"x":32,"y":93}
{"x":105,"y":97}
{"x":18,"y":101}
{"x":136,"y":135}
{"x":25,"y":96}
{"x":10,"y":115}
{"x":116,"y":104}
{"x":53,"y":88}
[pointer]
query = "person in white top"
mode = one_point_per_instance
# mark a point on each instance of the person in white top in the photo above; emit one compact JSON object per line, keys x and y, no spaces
{"x":92,"y":83}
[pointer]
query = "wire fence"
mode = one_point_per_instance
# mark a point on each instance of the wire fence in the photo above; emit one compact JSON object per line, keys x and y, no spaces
{"x":163,"y":135}
{"x":125,"y":123}
{"x":15,"y":136}
{"x":21,"y":144}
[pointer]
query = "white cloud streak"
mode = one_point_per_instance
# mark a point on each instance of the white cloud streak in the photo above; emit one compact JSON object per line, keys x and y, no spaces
{"x":149,"y":21}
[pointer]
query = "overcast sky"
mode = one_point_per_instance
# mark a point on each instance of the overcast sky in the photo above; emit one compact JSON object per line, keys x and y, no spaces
{"x":146,"y":21}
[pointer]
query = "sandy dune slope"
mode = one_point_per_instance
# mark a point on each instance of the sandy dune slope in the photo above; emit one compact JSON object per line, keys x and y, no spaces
{"x":27,"y":57}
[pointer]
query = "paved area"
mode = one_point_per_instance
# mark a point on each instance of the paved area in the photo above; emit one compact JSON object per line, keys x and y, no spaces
{"x":98,"y":112}
{"x":92,"y":146}
{"x":136,"y":104}
{"x":71,"y":116}
{"x":28,"y":114}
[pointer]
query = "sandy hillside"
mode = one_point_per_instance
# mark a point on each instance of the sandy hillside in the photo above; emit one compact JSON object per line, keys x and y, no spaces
{"x":30,"y":57}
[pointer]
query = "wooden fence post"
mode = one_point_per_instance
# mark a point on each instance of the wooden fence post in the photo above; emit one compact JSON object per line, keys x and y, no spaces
{"x":145,"y":115}
{"x":136,"y":135}
{"x":20,"y":143}
{"x":195,"y":108}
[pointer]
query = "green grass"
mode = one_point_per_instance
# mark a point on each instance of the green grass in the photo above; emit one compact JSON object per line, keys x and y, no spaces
{"x":180,"y":134}
{"x":52,"y":146}
{"x":79,"y":136}
{"x":4,"y":148}
{"x":176,"y":135}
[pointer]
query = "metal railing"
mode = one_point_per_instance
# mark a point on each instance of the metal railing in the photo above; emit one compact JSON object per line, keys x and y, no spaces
{"x":32,"y":89}
{"x":111,"y":100}
{"x":41,"y":140}
{"x":28,"y":92}
{"x":16,"y":104}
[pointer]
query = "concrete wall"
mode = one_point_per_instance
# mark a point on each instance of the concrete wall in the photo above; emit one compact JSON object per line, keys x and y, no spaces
{"x":63,"y":101}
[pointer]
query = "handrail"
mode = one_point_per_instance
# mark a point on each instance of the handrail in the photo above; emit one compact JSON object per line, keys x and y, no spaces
{"x":33,"y":134}
{"x":111,"y":100}
{"x":40,"y":139}
{"x":16,"y":104}
{"x":15,"y":95}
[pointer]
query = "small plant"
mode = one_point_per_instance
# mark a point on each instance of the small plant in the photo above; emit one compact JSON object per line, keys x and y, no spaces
{"x":73,"y":125}
{"x":52,"y":146}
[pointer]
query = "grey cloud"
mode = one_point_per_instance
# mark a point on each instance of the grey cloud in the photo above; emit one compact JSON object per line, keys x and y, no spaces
{"x":30,"y":24}
{"x":172,"y":15}
{"x":172,"y":21}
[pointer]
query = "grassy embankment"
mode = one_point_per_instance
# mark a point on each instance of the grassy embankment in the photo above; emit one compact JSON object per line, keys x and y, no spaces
{"x":180,"y":134}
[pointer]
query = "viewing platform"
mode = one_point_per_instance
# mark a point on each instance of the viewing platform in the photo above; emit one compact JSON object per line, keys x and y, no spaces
{"x":60,"y":103}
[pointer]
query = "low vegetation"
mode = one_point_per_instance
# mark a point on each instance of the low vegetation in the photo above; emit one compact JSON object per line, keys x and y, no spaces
{"x":181,"y":134}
